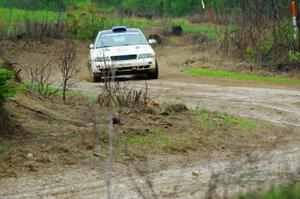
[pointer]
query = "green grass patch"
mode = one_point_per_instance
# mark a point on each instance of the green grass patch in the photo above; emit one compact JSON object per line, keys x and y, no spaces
{"x":49,"y":91}
{"x":210,"y":30}
{"x":279,"y":192}
{"x":156,"y":142}
{"x":159,"y":129}
{"x":216,"y":120}
{"x":231,"y":75}
{"x":161,"y":141}
{"x":129,"y":22}
{"x":156,"y":139}
{"x":81,"y":27}
{"x":200,"y":126}
{"x":3,"y":147}
{"x":245,"y":123}
{"x":14,"y":18}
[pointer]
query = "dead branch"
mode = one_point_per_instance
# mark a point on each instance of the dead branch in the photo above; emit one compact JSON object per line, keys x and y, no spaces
{"x":67,"y":64}
{"x":39,"y":78}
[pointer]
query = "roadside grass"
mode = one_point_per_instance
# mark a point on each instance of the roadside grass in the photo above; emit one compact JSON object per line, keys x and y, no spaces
{"x":58,"y":92}
{"x":161,"y":142}
{"x":213,"y":120}
{"x":231,"y":75}
{"x":283,"y":192}
{"x":212,"y":31}
{"x":3,"y":147}
{"x":130,"y":22}
{"x":14,"y":18}
{"x":202,"y":126}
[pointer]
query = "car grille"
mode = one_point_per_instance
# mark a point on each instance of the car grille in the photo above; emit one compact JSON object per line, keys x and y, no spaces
{"x":123,"y":57}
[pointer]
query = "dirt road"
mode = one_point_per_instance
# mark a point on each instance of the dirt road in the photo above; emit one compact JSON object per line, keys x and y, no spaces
{"x":223,"y":178}
{"x":279,"y":106}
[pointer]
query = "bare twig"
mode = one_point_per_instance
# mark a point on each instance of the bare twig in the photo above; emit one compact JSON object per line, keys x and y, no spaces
{"x":39,"y":78}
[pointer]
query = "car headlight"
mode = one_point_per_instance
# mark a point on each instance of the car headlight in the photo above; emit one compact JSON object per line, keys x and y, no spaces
{"x":102,"y":59}
{"x":145,"y":56}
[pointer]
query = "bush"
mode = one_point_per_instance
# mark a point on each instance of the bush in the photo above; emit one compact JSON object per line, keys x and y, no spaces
{"x":85,"y":22}
{"x":285,"y":34}
{"x":7,"y":89}
{"x":293,"y":56}
{"x":3,"y":25}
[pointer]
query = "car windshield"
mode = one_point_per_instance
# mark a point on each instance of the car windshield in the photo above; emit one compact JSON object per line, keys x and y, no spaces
{"x":122,"y":39}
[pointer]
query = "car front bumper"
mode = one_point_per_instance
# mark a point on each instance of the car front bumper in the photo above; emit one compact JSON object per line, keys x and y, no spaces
{"x":137,"y":66}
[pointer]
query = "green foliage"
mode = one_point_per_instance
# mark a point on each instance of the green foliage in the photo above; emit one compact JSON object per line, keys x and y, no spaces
{"x":159,"y":7}
{"x":285,"y":32}
{"x":3,"y":23}
{"x":180,"y":7}
{"x":279,"y":192}
{"x":263,"y":49}
{"x":160,"y":142}
{"x":214,"y":73}
{"x":41,"y":4}
{"x":293,"y":56}
{"x":3,"y":147}
{"x":208,"y":30}
{"x":46,"y":90}
{"x":14,"y":18}
{"x":223,"y":119}
{"x":7,"y":88}
{"x":250,"y":53}
{"x":84,"y":22}
{"x":129,"y":22}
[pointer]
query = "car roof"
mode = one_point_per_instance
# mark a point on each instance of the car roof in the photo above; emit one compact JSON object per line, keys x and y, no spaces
{"x":128,"y":30}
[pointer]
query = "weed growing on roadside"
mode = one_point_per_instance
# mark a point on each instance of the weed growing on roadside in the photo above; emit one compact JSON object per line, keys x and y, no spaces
{"x":231,"y":75}
{"x":291,"y":191}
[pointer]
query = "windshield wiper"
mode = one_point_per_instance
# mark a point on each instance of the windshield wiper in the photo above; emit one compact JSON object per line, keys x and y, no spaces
{"x":103,"y":47}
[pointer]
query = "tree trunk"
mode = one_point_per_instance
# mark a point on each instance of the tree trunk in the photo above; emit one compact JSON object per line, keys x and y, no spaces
{"x":64,"y":91}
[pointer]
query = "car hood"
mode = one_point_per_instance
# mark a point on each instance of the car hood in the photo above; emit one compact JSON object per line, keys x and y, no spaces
{"x":121,"y":50}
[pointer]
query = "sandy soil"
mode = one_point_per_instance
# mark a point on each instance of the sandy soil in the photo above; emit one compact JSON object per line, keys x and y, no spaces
{"x":274,"y":103}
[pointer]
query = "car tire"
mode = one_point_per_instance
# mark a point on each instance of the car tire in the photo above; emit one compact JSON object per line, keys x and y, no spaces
{"x":154,"y":75}
{"x":96,"y":78}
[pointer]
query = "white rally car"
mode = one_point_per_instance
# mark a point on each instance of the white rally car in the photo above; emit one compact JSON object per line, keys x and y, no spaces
{"x":124,"y":51}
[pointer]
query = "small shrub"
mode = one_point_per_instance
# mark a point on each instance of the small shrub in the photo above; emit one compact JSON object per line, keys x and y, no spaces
{"x":120,"y":95}
{"x":7,"y":88}
{"x":293,"y":56}
{"x":285,"y":33}
{"x":39,"y":79}
{"x":250,"y":53}
{"x":176,"y":108}
{"x":2,"y":25}
{"x":43,"y":29}
{"x":86,"y":23}
{"x":67,"y":64}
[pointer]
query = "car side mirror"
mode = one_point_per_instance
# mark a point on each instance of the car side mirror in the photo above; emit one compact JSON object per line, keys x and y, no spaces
{"x":92,"y":46}
{"x":152,"y":41}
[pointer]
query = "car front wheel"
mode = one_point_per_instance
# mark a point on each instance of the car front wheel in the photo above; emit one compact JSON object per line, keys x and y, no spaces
{"x":154,"y":75}
{"x":96,"y":78}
